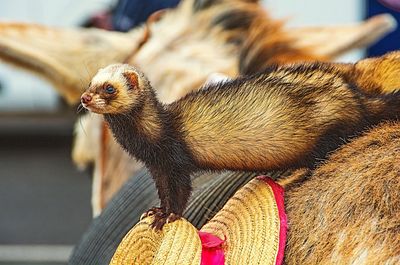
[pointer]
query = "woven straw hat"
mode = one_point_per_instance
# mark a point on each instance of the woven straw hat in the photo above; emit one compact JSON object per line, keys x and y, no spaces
{"x":252,"y":225}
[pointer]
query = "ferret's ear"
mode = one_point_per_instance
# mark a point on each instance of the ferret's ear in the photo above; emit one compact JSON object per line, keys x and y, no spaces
{"x":132,"y":80}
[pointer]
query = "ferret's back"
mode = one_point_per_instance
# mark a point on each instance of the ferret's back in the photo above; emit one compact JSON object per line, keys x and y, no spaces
{"x":277,"y":116}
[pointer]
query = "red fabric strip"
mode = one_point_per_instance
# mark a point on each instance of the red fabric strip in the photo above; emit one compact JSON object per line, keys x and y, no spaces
{"x":279,"y":197}
{"x":212,"y":252}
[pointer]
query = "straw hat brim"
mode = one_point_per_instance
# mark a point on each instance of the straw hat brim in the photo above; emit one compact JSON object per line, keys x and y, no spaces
{"x":252,"y":224}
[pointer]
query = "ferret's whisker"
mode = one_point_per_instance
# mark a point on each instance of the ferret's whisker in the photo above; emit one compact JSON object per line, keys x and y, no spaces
{"x":79,"y":108}
{"x":82,"y":127}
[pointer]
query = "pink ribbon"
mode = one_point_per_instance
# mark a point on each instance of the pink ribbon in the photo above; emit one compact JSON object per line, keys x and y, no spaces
{"x":279,"y":198}
{"x":212,"y":253}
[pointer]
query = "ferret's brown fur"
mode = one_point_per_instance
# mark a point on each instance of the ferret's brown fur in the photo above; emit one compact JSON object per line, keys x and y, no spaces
{"x":285,"y":117}
{"x":184,"y":47}
{"x":377,"y":75}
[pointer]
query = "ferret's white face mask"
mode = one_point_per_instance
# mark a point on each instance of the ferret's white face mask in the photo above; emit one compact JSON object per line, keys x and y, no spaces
{"x":113,"y":90}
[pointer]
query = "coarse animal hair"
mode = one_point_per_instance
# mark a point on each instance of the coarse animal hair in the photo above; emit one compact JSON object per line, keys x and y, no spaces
{"x":185,"y":46}
{"x":286,"y":117}
{"x":347,"y":210}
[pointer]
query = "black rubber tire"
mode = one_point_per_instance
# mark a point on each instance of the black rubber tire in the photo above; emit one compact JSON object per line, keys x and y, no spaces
{"x":101,"y":239}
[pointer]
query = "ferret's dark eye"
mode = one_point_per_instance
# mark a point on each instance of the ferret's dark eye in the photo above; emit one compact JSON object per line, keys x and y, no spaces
{"x":110,"y":89}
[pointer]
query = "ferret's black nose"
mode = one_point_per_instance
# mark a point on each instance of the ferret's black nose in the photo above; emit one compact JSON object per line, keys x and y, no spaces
{"x":86,"y":98}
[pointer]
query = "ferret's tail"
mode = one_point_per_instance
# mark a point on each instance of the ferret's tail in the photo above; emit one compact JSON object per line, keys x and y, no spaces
{"x":379,"y":78}
{"x":383,"y":106}
{"x":379,"y":75}
{"x":268,"y":44}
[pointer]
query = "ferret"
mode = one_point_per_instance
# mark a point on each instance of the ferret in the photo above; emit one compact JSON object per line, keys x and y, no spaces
{"x":285,"y":117}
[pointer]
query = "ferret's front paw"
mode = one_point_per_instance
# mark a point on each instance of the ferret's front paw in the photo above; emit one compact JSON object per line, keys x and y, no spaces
{"x":151,"y":211}
{"x":160,"y":219}
{"x":173,"y":217}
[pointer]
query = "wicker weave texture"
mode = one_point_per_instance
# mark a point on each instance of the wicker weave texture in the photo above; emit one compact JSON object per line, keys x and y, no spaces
{"x":249,"y":223}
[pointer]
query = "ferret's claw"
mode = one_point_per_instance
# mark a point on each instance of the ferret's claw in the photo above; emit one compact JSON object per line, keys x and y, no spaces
{"x":144,"y":215}
{"x":172,"y":217}
{"x":160,"y":219}
{"x":151,"y":211}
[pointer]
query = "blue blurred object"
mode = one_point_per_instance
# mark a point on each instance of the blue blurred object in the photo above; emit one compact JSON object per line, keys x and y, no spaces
{"x":131,"y":13}
{"x":393,"y":4}
{"x":390,"y":42}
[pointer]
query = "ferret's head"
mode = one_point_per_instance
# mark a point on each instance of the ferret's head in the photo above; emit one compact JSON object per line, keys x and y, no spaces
{"x":115,"y":89}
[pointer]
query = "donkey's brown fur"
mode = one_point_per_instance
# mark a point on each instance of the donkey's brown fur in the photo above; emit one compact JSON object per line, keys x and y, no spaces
{"x":348,"y":210}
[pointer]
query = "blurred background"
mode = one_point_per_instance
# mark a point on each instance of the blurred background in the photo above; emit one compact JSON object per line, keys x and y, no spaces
{"x":44,"y":199}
